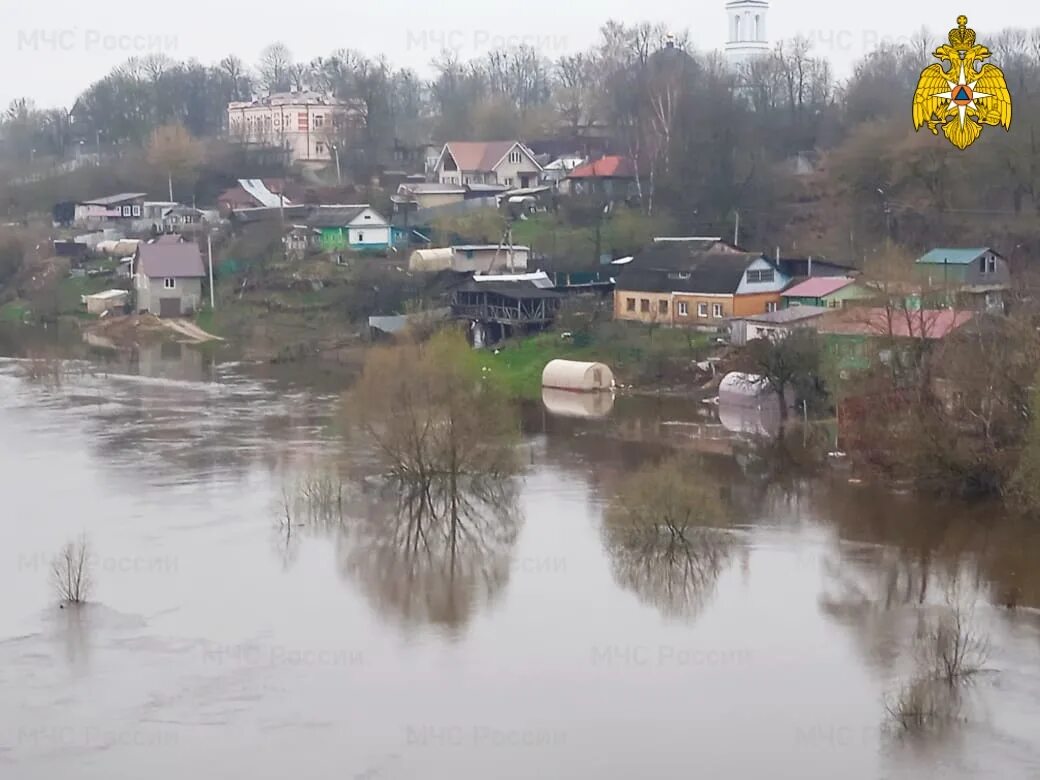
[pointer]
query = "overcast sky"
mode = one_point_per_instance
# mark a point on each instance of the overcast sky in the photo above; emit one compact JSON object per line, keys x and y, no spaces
{"x":53,"y":49}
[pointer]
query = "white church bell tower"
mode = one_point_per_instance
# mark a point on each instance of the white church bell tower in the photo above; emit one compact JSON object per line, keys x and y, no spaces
{"x":747,"y":37}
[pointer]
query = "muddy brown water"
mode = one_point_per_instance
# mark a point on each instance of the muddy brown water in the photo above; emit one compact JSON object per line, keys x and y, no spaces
{"x":218,"y":645}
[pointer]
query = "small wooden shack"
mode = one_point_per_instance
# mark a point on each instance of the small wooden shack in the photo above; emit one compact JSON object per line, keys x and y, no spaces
{"x":577,"y":377}
{"x":109,"y":300}
{"x":502,"y":306}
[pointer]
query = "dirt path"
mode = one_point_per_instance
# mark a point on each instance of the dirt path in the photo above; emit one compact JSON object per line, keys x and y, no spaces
{"x":190,"y":330}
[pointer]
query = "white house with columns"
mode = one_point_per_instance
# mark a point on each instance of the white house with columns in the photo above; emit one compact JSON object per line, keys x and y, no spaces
{"x":747,"y":36}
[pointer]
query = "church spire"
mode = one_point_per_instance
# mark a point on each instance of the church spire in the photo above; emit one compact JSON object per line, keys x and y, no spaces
{"x":747,"y":36}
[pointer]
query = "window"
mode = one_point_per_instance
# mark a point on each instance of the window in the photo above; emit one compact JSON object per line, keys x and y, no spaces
{"x":644,"y":306}
{"x":982,"y":264}
{"x":757,"y":277}
{"x":360,"y":237}
{"x":684,"y":310}
{"x":716,"y":310}
{"x":771,"y":307}
{"x":630,"y":304}
{"x":127,"y":211}
{"x":515,"y":156}
{"x":319,"y":120}
{"x":702,"y":310}
{"x":169,"y":284}
{"x":508,"y":181}
{"x":135,"y":210}
{"x":662,"y":307}
{"x":991,"y":265}
{"x":679,"y":275}
{"x":319,"y":148}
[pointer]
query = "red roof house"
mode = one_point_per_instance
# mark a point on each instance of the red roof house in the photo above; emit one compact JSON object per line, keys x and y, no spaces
{"x":613,"y":176}
{"x":610,"y":167}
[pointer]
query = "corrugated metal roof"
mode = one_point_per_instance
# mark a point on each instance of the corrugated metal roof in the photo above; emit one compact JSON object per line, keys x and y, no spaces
{"x":537,"y":278}
{"x":257,"y":190}
{"x":942,"y":256}
{"x":678,"y":267}
{"x":334,"y":216}
{"x":490,"y":247}
{"x":924,"y":323}
{"x":510,"y":289}
{"x":611,"y":166}
{"x":482,"y":156}
{"x":784,"y":316}
{"x":111,"y":200}
{"x":818,"y":287}
{"x":175,"y":260}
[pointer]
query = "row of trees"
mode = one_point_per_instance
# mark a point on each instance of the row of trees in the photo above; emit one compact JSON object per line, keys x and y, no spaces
{"x":708,"y":142}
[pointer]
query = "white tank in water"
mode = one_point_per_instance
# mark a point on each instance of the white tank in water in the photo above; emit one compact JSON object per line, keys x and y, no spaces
{"x":577,"y":377}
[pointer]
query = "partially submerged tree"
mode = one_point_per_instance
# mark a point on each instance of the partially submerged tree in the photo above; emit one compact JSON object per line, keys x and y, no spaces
{"x":788,"y":364}
{"x":948,"y":652}
{"x":430,"y":413}
{"x":438,"y":527}
{"x":71,"y":572}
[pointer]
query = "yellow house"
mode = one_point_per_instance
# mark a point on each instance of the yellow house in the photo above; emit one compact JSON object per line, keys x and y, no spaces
{"x":682,"y":284}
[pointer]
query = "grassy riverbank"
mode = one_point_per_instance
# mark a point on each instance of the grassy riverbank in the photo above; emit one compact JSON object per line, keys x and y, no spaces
{"x":637,"y":355}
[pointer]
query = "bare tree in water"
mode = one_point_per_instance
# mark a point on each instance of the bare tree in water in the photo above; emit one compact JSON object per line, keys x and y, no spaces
{"x":437,"y":530}
{"x":430,"y":414}
{"x":949,"y":651}
{"x":70,"y":572}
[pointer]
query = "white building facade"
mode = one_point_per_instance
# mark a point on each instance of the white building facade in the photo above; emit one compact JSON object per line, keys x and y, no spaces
{"x":307,"y":125}
{"x":747,"y":36}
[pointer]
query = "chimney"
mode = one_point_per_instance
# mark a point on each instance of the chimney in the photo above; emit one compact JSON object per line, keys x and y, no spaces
{"x":810,"y":266}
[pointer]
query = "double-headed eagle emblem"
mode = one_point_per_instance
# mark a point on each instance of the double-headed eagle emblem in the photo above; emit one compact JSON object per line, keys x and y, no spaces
{"x":963,"y":98}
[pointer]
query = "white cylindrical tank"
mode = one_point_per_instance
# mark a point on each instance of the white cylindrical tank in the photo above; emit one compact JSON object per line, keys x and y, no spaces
{"x":577,"y":376}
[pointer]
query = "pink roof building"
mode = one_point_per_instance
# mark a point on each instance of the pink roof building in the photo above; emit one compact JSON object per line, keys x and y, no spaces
{"x":818,"y":287}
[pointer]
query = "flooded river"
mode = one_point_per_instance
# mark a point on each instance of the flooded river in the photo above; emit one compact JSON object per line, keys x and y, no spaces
{"x":221,"y":641}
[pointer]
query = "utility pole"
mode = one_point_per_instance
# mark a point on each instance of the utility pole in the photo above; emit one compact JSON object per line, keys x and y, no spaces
{"x":209,"y":251}
{"x":736,"y":230}
{"x":169,"y":180}
{"x":339,"y":176}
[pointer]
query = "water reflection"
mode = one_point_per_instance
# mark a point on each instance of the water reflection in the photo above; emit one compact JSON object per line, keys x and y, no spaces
{"x":176,"y":361}
{"x":588,"y":406}
{"x":761,"y":420}
{"x":666,"y":536}
{"x":433,"y":551}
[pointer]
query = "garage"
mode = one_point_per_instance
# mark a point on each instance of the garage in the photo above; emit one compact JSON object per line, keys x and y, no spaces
{"x":169,"y":307}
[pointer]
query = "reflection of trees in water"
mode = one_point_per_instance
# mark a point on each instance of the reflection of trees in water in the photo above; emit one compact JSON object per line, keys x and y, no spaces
{"x":674,"y":572}
{"x":665,"y":533}
{"x":311,"y":504}
{"x":430,"y":551}
{"x":894,"y":555}
{"x":434,"y":540}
